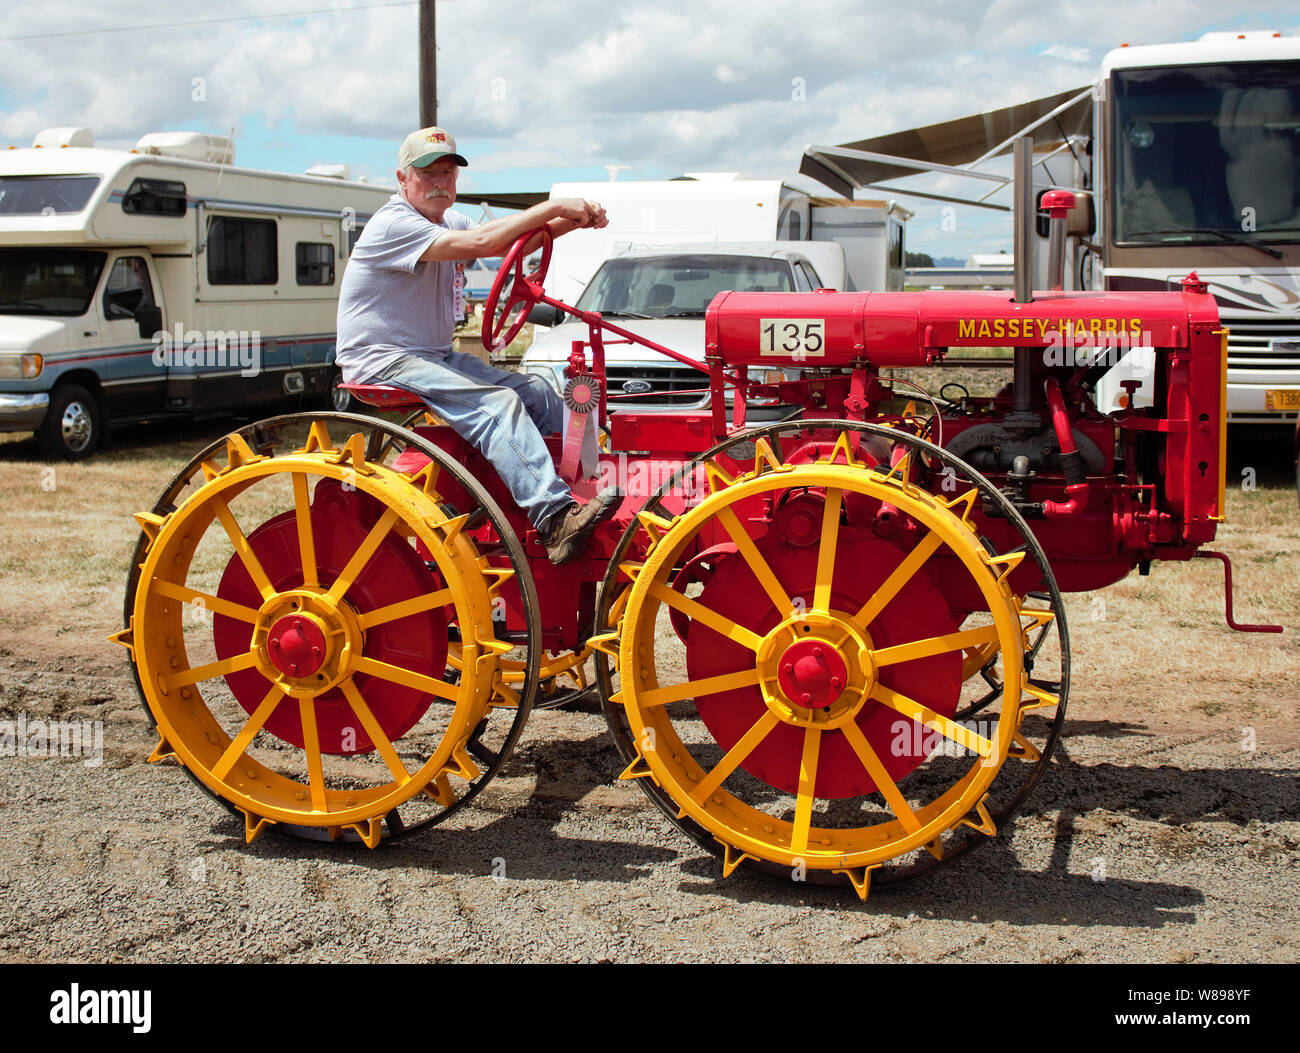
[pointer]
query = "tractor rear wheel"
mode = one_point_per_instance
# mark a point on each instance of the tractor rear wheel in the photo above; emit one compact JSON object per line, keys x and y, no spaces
{"x":802,"y":717}
{"x":302,"y":615}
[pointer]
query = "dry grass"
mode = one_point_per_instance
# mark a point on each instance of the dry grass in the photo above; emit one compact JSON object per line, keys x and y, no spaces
{"x":69,"y":535}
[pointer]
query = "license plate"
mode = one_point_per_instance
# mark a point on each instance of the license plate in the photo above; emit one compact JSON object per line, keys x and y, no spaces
{"x":1282,"y":399}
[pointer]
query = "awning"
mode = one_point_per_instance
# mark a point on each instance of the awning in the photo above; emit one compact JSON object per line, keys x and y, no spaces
{"x":525,"y":199}
{"x":961,"y":141}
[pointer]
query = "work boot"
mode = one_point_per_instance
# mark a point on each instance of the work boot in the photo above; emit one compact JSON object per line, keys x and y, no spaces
{"x":572,"y":528}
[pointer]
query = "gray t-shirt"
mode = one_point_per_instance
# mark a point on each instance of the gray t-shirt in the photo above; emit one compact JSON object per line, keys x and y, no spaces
{"x":390,"y":304}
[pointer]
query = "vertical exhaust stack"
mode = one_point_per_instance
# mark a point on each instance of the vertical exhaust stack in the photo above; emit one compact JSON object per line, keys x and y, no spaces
{"x":1023,"y":211}
{"x":1023,"y":257}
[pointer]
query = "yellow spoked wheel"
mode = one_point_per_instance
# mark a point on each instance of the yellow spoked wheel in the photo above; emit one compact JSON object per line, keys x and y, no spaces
{"x":806,"y":724}
{"x":294,"y":615}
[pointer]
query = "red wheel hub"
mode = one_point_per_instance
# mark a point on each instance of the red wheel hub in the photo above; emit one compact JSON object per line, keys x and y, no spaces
{"x":862,"y":564}
{"x":340,"y":521}
{"x":296,"y":646}
{"x":812,"y":674}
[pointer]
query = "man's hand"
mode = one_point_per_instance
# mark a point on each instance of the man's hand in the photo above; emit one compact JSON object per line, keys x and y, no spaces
{"x":581,"y":214}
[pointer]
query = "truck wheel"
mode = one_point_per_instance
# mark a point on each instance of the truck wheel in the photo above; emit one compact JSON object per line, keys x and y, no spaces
{"x":73,"y":426}
{"x":340,"y":400}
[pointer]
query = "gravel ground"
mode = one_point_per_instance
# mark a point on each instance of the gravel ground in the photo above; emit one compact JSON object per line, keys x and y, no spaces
{"x":1155,"y":837}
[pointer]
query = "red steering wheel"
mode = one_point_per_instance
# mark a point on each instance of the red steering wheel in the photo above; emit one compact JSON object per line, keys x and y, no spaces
{"x":500,"y":327}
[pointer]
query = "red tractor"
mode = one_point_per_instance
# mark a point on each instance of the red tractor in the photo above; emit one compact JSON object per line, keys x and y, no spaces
{"x":827,"y":648}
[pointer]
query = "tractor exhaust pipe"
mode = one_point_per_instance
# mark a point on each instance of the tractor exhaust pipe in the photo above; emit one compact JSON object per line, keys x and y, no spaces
{"x":1022,"y":244}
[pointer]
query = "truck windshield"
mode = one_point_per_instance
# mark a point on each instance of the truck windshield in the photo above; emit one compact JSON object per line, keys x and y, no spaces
{"x":45,"y":195}
{"x":1208,"y":148}
{"x":678,"y":286}
{"x":48,"y":281}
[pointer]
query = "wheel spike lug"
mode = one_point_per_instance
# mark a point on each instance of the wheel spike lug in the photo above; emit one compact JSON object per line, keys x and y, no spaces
{"x":440,"y":790}
{"x":125,"y":637}
{"x":1042,"y":699}
{"x":318,"y":439}
{"x":845,"y":446}
{"x":353,"y":450}
{"x":630,"y":570}
{"x":718,"y":478}
{"x":254,"y":825}
{"x":985,"y":824}
{"x":765,"y":459}
{"x":239,"y":453}
{"x":1022,"y":748}
{"x":638,"y":769}
{"x":452,"y":527}
{"x":150,"y":524}
{"x":655,"y":526}
{"x":161,"y":752}
{"x":860,"y":879}
{"x":732,"y":857}
{"x":426,"y":479}
{"x":370,"y":833}
{"x":606,"y":643}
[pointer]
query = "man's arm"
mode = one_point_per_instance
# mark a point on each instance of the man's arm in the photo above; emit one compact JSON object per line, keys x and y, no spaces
{"x":496,"y":236}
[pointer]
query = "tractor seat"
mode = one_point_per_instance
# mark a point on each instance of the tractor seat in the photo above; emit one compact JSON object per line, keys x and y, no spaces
{"x":384,"y":397}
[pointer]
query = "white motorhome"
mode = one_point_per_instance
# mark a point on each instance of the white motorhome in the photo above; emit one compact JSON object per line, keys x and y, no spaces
{"x":1185,"y":157}
{"x":718,"y":206}
{"x":162,"y":281}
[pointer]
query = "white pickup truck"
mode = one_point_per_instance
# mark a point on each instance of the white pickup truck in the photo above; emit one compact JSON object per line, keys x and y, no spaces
{"x":662,"y":294}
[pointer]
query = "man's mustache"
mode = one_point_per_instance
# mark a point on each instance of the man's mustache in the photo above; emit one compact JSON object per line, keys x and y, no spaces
{"x":436,"y":193}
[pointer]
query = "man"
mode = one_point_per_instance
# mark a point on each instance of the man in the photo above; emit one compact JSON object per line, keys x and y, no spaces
{"x":395,"y":323}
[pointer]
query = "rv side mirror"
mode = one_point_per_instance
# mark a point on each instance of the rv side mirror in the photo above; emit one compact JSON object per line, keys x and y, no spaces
{"x":1082,"y":219}
{"x":150,"y":321}
{"x":545,"y":314}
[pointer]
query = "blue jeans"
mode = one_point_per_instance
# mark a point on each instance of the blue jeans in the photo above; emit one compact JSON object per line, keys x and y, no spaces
{"x":503,"y":415}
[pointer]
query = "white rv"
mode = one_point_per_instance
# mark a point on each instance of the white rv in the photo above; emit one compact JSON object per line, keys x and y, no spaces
{"x":718,"y":206}
{"x":162,"y":281}
{"x":1184,"y":156}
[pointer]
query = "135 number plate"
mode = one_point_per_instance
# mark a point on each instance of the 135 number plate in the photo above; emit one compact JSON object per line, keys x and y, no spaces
{"x":796,"y":338}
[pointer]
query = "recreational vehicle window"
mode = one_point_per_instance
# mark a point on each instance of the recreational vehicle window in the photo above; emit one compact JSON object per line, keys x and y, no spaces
{"x":34,"y":195}
{"x":155,"y":197}
{"x":315,"y":262}
{"x":48,"y":281}
{"x":128,"y":288}
{"x":242,"y":252}
{"x":354,"y":235}
{"x":1207,"y":149}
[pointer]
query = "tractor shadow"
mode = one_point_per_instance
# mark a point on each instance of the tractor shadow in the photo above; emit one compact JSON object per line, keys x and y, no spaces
{"x":538,"y":838}
{"x":561,"y":831}
{"x":1083,"y":802}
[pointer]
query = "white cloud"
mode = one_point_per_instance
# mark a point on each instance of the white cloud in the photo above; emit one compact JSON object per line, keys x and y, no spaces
{"x":1067,"y":53}
{"x":671,"y":86}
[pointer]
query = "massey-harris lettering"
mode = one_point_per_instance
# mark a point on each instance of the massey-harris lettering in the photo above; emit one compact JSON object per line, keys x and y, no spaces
{"x":1043,"y":328}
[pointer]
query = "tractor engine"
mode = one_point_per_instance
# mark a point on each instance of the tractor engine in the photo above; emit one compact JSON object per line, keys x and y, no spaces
{"x":1104,"y":492}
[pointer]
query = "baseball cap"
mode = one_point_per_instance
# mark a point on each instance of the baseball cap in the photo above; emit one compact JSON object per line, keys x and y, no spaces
{"x":426,"y":146}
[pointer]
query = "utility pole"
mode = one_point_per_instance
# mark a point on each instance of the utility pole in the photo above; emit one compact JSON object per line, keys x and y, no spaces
{"x":428,"y":66}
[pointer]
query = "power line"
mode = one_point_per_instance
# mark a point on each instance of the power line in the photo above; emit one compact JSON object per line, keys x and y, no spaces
{"x":214,"y":21}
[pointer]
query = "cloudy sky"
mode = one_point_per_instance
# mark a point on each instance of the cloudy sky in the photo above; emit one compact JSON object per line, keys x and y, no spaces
{"x":543,"y":91}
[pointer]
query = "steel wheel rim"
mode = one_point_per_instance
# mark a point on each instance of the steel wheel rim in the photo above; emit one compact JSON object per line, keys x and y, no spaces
{"x":861,"y":876}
